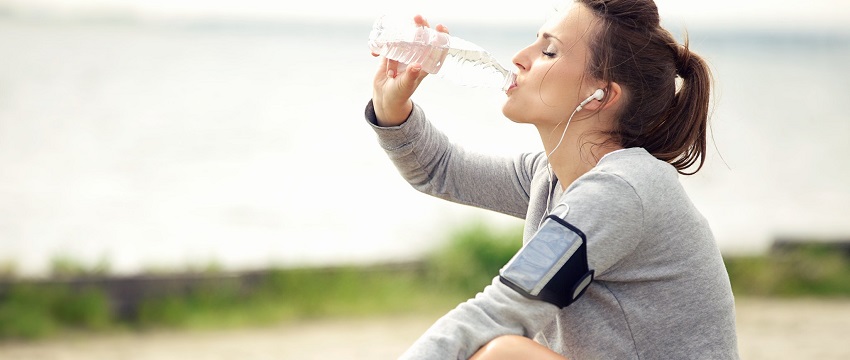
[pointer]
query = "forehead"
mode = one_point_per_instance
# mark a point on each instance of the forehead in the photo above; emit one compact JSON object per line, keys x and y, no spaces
{"x":570,"y":24}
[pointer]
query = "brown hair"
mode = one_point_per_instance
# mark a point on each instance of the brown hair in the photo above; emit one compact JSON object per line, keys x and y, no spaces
{"x":631,"y":48}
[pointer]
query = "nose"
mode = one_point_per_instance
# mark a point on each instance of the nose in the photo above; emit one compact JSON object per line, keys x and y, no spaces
{"x":521,"y":60}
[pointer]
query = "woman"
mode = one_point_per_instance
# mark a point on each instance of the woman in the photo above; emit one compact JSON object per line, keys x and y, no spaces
{"x":600,"y":85}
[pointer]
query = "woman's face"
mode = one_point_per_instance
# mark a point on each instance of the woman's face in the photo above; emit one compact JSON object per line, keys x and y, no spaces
{"x":551,"y":79}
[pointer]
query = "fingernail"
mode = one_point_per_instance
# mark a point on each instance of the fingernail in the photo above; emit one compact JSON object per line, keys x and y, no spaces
{"x":391,"y":74}
{"x":416,"y":68}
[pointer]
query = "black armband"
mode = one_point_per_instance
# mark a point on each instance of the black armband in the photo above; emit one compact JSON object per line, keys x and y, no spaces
{"x":552,"y":266}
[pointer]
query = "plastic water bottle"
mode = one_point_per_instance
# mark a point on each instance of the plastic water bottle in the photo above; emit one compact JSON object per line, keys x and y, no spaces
{"x":449,"y":57}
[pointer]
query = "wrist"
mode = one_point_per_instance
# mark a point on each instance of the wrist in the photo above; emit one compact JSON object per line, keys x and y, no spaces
{"x":388,"y":116}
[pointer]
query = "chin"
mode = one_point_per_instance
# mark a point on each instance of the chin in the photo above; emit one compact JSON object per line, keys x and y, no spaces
{"x":517,"y":118}
{"x":513,"y":115}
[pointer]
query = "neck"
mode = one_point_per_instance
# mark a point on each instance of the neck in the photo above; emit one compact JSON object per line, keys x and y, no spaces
{"x":579,"y":151}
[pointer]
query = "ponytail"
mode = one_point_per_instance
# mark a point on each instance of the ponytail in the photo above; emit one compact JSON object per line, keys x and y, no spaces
{"x":688,"y":115}
{"x":633,"y":50}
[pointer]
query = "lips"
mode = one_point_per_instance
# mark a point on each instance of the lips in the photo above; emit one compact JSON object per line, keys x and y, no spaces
{"x":511,"y":82}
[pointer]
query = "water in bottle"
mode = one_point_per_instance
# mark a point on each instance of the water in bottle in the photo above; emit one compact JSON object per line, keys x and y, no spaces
{"x":449,"y":57}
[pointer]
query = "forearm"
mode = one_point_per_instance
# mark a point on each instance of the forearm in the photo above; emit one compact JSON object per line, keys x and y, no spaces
{"x":433,"y":165}
{"x":496,"y":311}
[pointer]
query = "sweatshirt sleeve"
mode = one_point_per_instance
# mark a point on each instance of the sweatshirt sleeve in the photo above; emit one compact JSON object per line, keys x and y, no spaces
{"x":496,"y":311}
{"x":606,"y":208}
{"x":609,"y":211}
{"x":426,"y":158}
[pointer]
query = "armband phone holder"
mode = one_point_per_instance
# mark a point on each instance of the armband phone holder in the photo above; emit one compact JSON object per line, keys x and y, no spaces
{"x":552,"y":266}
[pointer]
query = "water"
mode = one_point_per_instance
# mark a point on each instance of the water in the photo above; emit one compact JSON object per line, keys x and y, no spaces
{"x":166,"y":145}
{"x":475,"y":68}
{"x":461,"y":66}
{"x":460,"y":61}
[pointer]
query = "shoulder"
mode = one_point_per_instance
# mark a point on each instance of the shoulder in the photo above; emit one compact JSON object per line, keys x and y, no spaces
{"x":625,"y":172}
{"x":624,"y":183}
{"x":654,"y":185}
{"x":635,"y":163}
{"x":644,"y":173}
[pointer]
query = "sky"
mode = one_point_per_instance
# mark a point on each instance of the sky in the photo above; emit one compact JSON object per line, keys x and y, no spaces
{"x":821,"y":14}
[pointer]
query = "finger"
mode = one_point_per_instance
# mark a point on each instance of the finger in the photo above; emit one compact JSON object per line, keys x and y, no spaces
{"x":412,"y":75}
{"x":418,"y":73}
{"x":381,"y":70}
{"x":376,"y":54}
{"x":392,"y":68}
{"x":382,"y":64}
{"x":421,"y":75}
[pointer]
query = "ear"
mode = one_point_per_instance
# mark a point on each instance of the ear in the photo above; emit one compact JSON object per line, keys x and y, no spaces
{"x":613,"y":94}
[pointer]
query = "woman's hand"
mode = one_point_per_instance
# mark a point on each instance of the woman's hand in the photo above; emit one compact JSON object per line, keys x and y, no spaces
{"x":395,"y":83}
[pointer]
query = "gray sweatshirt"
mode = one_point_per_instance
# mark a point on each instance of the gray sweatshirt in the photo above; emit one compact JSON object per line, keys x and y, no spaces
{"x":661,"y":290}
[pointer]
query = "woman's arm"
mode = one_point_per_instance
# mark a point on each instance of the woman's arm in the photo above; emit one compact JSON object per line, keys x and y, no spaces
{"x":433,"y":165}
{"x":604,"y":212}
{"x":495,"y":312}
{"x":395,"y":83}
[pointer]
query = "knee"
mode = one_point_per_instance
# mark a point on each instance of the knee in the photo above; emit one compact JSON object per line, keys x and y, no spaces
{"x":502,"y":347}
{"x":515,"y":347}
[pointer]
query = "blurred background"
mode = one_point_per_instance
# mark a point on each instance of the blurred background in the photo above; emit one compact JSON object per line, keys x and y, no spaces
{"x":148,"y":136}
{"x":156,"y":134}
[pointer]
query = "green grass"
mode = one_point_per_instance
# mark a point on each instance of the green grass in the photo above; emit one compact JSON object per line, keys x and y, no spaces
{"x":28,"y":311}
{"x":297,"y":294}
{"x":442,"y":280}
{"x":807,"y":270}
{"x":472,"y":258}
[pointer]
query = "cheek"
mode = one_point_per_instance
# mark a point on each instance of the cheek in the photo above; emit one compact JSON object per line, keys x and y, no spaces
{"x":544,"y":96}
{"x":556,"y":89}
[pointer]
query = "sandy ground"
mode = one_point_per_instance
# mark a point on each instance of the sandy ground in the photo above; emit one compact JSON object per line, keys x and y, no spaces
{"x":767,"y":329}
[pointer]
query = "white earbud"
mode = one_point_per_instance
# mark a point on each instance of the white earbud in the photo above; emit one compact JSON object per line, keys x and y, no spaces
{"x":599,"y":94}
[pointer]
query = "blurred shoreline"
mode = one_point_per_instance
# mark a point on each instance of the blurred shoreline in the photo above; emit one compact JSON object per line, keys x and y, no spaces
{"x":101,"y":302}
{"x":168,"y":142}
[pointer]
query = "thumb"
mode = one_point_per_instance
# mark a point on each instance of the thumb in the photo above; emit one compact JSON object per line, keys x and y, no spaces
{"x":412,"y":76}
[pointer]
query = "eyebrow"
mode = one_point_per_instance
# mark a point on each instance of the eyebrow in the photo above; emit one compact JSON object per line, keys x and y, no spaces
{"x":548,"y":36}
